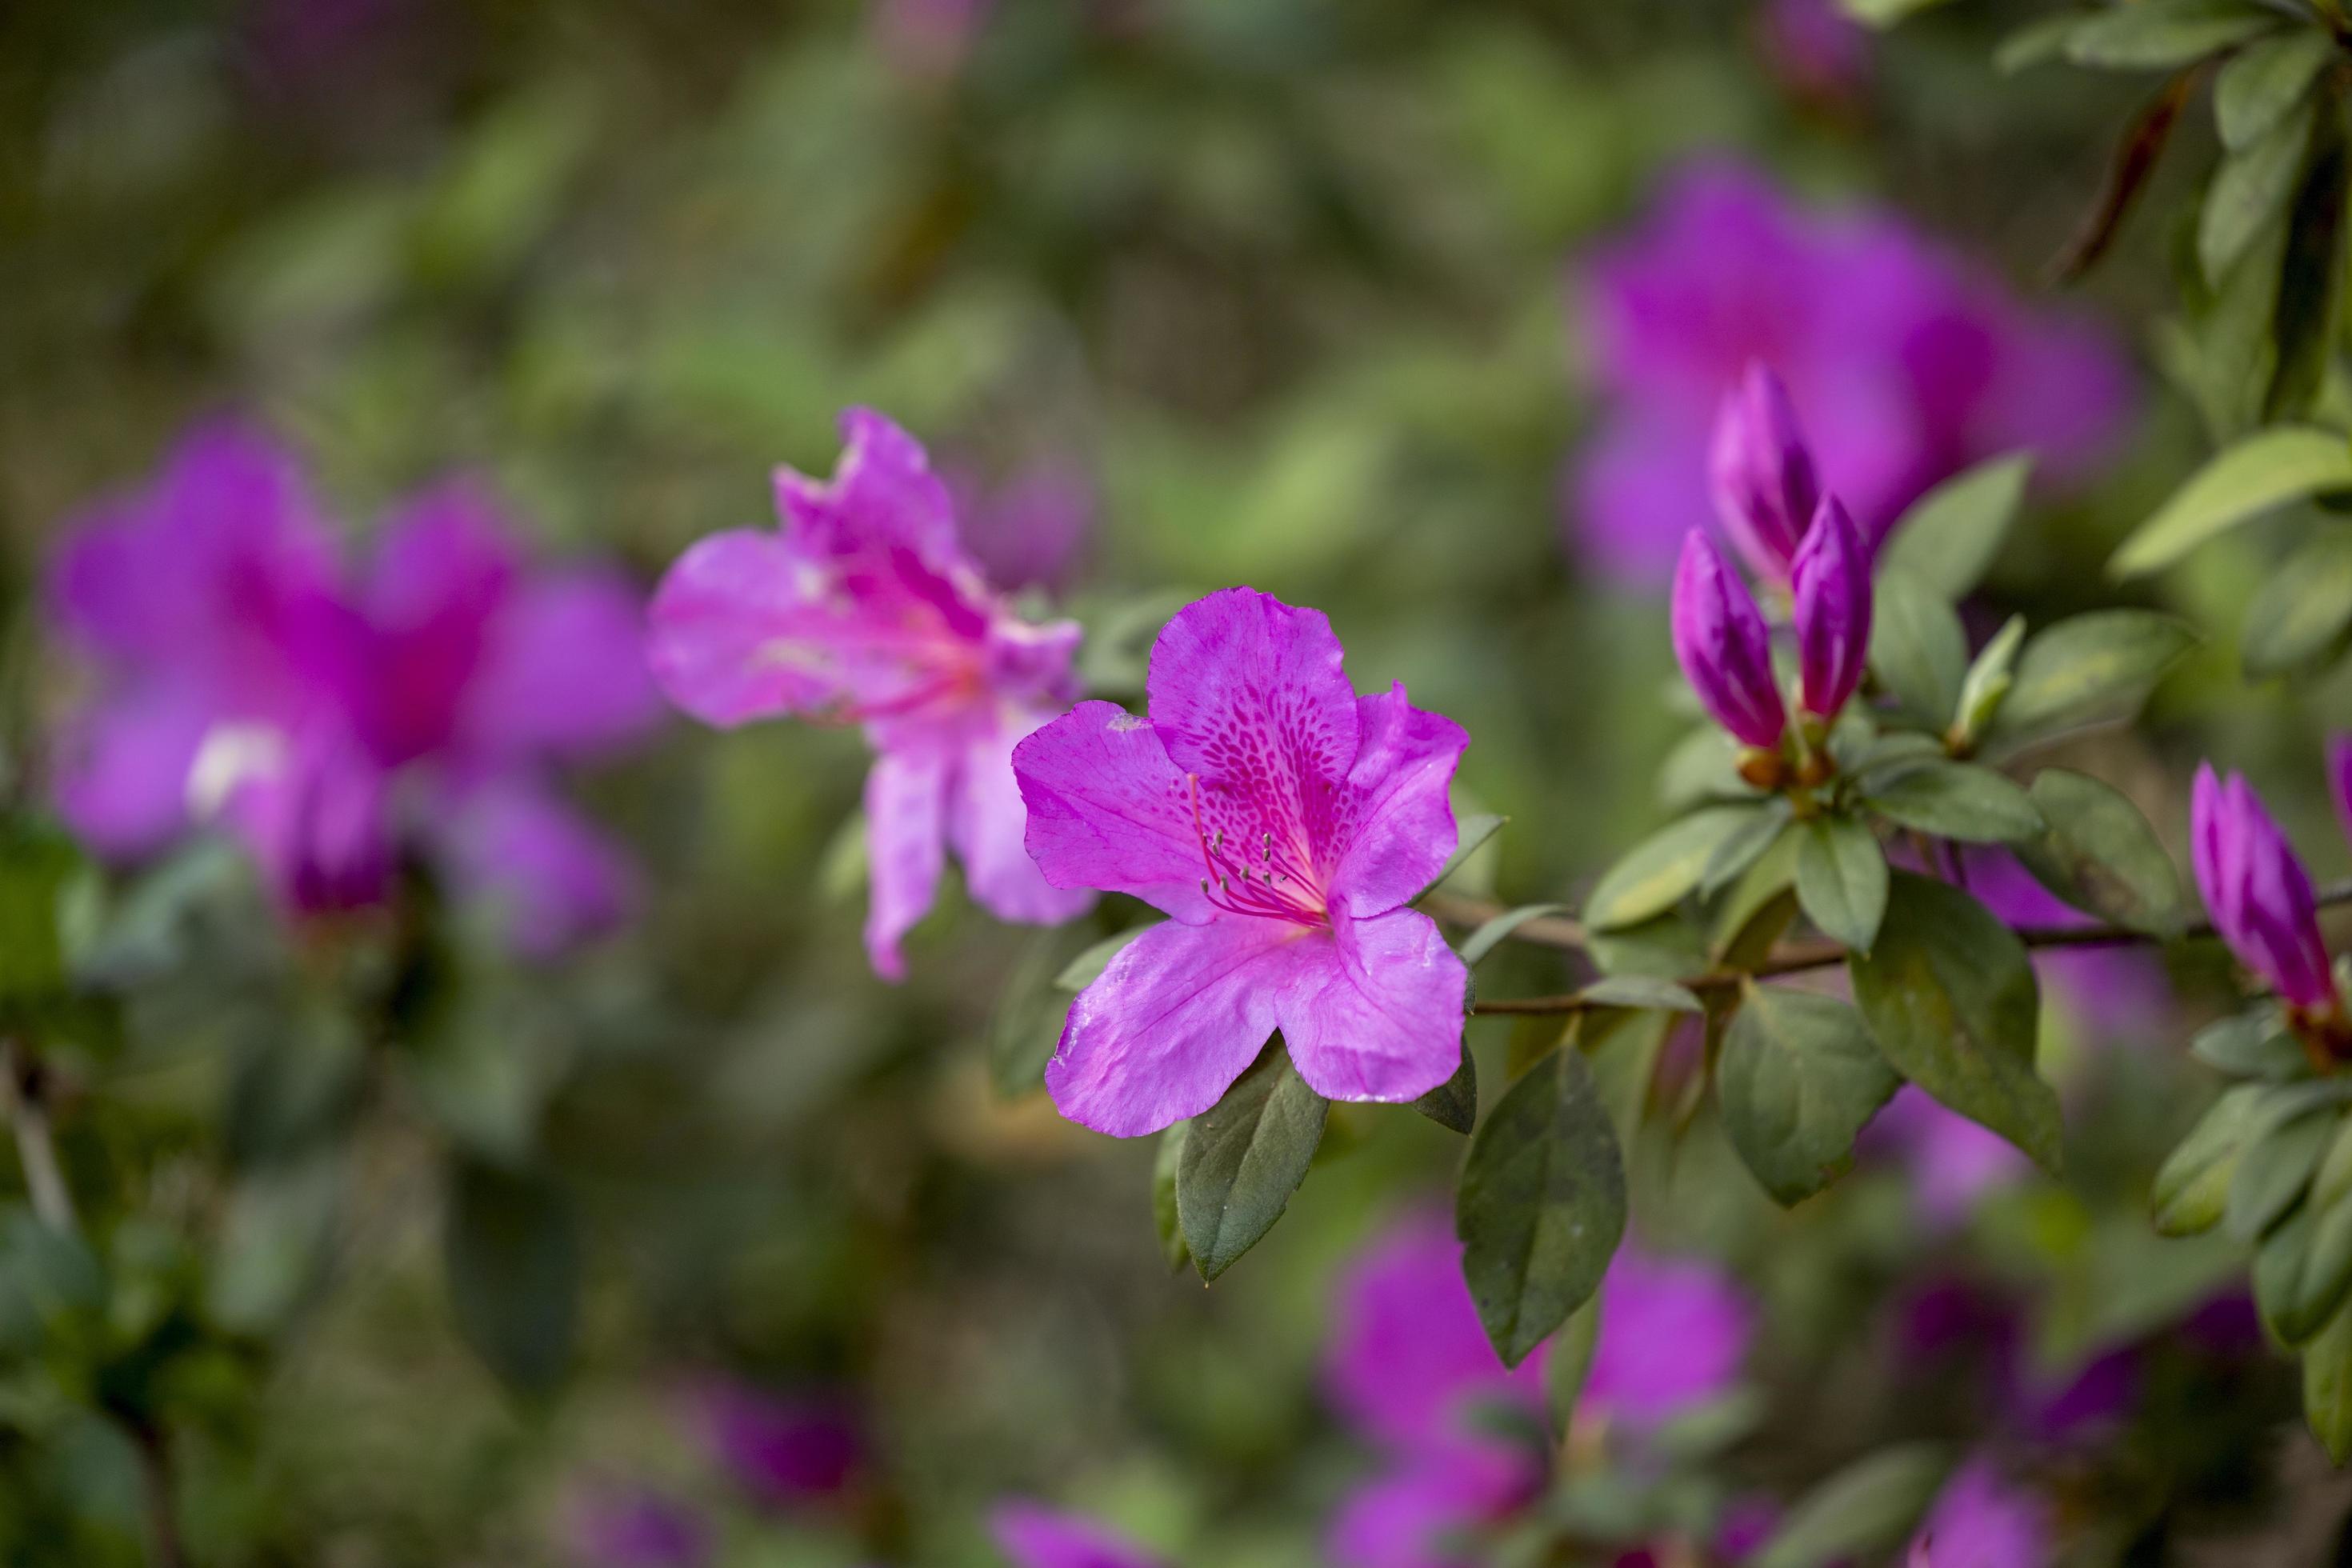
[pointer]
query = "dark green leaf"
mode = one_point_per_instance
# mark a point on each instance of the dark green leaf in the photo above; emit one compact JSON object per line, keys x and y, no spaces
{"x":2298,"y":617}
{"x":1745,"y":848}
{"x":1541,"y":1204}
{"x":1842,"y":880}
{"x":1950,"y":537}
{"x":2304,"y":318}
{"x":1454,"y":1104}
{"x":37,"y":865}
{"x":1640,"y":991}
{"x":1916,"y":648}
{"x":1658,"y":872}
{"x":2243,"y":481}
{"x":1862,"y":1512}
{"x":2328,"y":1386}
{"x":1493,"y":933}
{"x":1950,"y":996}
{"x":1798,"y":1079}
{"x":1955,"y":800}
{"x":2036,"y":43}
{"x":2091,"y":669}
{"x":1990,"y":675}
{"x":2252,"y":1044}
{"x":2258,"y":87}
{"x":2290,"y":1128}
{"x":1164,"y":1162}
{"x":2250,"y":190}
{"x":2160,"y":34}
{"x":2303,"y":1271}
{"x":2192,"y":1187}
{"x":2100,"y":855}
{"x":296,"y":1074}
{"x":510,"y":1243}
{"x":1242,"y":1159}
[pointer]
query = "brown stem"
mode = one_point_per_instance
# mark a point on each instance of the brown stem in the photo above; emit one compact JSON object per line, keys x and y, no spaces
{"x":155,"y":1492}
{"x":1800,"y":957}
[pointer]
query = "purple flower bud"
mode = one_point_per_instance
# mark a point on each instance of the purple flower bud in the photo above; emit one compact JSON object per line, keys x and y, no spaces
{"x":1761,"y":473}
{"x":2257,"y":890}
{"x":1726,"y":653}
{"x":1830,"y":592}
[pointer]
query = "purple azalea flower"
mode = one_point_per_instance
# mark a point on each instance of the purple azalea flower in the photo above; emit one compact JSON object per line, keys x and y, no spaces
{"x":1760,"y":474}
{"x":1036,"y":1537}
{"x":866,"y":609}
{"x":1907,"y":363}
{"x":1722,"y":645}
{"x":2115,"y":990}
{"x":1031,"y":529}
{"x":1953,"y":1161}
{"x":333,"y":718}
{"x":2257,"y":890}
{"x":1427,"y":1510}
{"x":636,"y":1527}
{"x":1816,"y":47}
{"x":1673,"y":1336}
{"x":1829,"y":608}
{"x":1283,"y":822}
{"x":782,"y":1450}
{"x":1978,"y":1520}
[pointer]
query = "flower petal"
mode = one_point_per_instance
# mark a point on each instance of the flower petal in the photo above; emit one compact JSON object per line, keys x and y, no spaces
{"x":1375,"y":1011}
{"x":1107,"y":809}
{"x":553,"y":877}
{"x":565,"y":671}
{"x":1674,"y":1334}
{"x":988,"y":826}
{"x":120,"y":775}
{"x":1426,"y":1515}
{"x":1407,"y":1357}
{"x":882,"y":494}
{"x":1036,"y":1537}
{"x":906,"y":808}
{"x":1396,"y":829}
{"x":713,"y":622}
{"x":1180,"y":1014}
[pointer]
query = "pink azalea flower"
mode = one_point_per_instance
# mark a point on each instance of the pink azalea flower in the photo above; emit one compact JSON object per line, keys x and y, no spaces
{"x":2113,"y":991}
{"x":1283,"y":822}
{"x":1673,"y":1335}
{"x":1031,"y":527}
{"x":333,"y":718}
{"x":1979,"y":1521}
{"x":1954,"y":1161}
{"x":782,"y":1450}
{"x":865,"y":609}
{"x":1036,"y":1537}
{"x":636,"y":1527}
{"x":1906,"y":363}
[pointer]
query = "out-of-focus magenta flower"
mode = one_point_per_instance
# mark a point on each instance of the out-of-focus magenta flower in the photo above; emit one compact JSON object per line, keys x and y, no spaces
{"x":1031,"y":529}
{"x":1815,"y":48}
{"x":1283,"y":823}
{"x":865,"y":609}
{"x":1760,"y":474}
{"x":636,"y":1527}
{"x":1037,"y":1537}
{"x":2257,"y":890}
{"x":928,"y":41}
{"x":2114,"y":991}
{"x":1829,"y":608}
{"x":1674,"y":1337}
{"x":1722,"y":645}
{"x":783,"y":1450}
{"x":1908,"y":364}
{"x":1954,"y":1161}
{"x":1979,"y":1521}
{"x":333,"y":718}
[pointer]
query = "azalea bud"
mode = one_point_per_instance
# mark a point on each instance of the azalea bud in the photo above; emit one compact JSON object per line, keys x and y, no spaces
{"x":1761,"y":474}
{"x":1725,"y":651}
{"x":2257,"y":890}
{"x":1830,"y":605}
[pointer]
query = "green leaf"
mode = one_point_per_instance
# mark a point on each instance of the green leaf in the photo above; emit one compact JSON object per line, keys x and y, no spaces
{"x":1541,"y":1204}
{"x":2331,"y":1181}
{"x":1087,"y":967}
{"x":2252,"y":1044}
{"x":1492,"y":934}
{"x":1026,"y":1026}
{"x":2242,"y":482}
{"x":1916,"y":648}
{"x":2303,"y":1271}
{"x":2192,"y":1186}
{"x":1640,"y":991}
{"x":2090,"y":670}
{"x":38,"y":865}
{"x":1950,"y":996}
{"x":2299,"y":615}
{"x":1656,"y":874}
{"x":2036,"y":43}
{"x":1453,"y":1104}
{"x":1862,"y":1512}
{"x":297,"y":1073}
{"x":2290,"y":1128}
{"x":1842,"y":880}
{"x":2328,"y":1386}
{"x":1990,"y":675}
{"x":2251,"y":188}
{"x":2305,"y":314}
{"x":1745,"y":848}
{"x":1949,"y":538}
{"x":2100,"y":855}
{"x":1884,"y":14}
{"x":2164,"y":35}
{"x":1165,"y":1162}
{"x":1473,"y":831}
{"x":1799,"y":1077}
{"x":1568,"y":1363}
{"x":2259,"y":86}
{"x":1243,"y":1157}
{"x":1955,"y":800}
{"x":511,"y":1248}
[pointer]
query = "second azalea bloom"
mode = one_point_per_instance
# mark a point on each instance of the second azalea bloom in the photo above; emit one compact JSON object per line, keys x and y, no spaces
{"x":1829,"y":585}
{"x":1979,"y":1521}
{"x":1725,"y":650}
{"x":1283,"y":823}
{"x":1033,"y":1536}
{"x":1760,"y":474}
{"x":2257,"y":891}
{"x":866,"y":609}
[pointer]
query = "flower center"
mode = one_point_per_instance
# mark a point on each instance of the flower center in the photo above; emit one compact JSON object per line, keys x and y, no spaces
{"x":1279,"y":885}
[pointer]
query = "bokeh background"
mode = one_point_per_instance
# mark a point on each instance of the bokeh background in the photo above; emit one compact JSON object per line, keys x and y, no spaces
{"x":1315,"y":295}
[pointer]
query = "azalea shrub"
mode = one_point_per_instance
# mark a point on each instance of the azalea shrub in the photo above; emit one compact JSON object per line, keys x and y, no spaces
{"x":970,"y":782}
